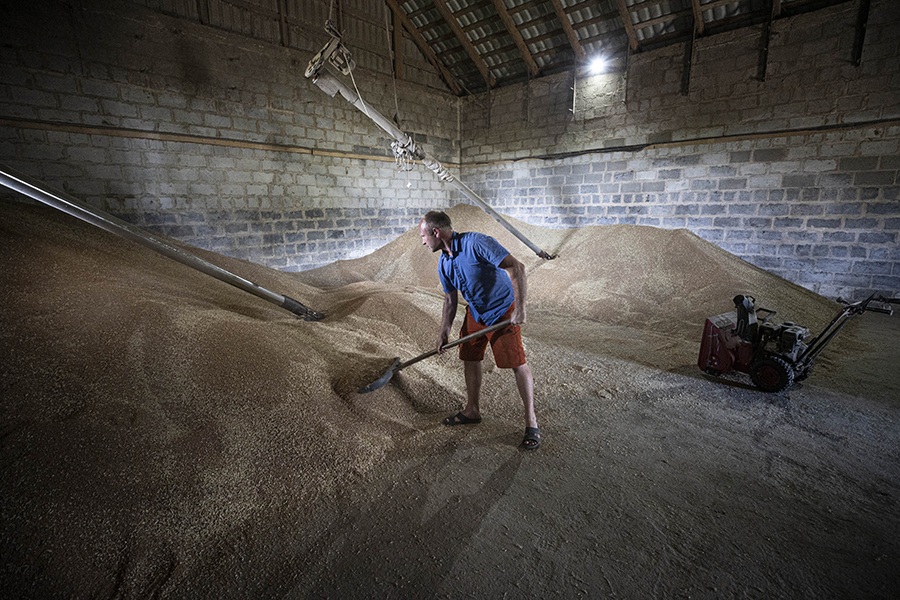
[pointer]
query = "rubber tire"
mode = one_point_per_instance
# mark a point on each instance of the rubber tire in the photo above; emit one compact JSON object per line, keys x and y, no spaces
{"x":771,"y":374}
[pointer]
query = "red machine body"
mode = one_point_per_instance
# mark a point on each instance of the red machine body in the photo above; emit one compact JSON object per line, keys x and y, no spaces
{"x":774,"y":355}
{"x":721,"y":350}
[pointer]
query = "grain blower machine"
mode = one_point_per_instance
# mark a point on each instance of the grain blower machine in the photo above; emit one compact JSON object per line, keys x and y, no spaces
{"x":774,"y":355}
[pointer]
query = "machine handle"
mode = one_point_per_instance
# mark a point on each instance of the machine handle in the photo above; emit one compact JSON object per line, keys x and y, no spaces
{"x":771,"y":313}
{"x":888,"y":310}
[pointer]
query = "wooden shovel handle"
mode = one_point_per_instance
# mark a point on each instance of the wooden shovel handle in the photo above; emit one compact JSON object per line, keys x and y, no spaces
{"x":461,"y":340}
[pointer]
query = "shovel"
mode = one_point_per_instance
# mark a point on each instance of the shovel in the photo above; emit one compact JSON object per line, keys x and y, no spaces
{"x":397,"y":366}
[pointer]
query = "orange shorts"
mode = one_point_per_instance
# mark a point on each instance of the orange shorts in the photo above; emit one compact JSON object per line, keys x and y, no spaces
{"x":506,"y":343}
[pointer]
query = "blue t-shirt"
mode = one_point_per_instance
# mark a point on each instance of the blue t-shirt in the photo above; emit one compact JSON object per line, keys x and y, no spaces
{"x":473,"y":271}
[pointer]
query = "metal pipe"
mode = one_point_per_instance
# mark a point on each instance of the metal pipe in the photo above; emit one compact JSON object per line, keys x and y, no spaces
{"x":37,"y":191}
{"x":331,"y":85}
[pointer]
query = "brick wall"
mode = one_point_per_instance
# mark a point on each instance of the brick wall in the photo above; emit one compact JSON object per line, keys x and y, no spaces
{"x":211,"y":134}
{"x":788,"y":205}
{"x":210,"y":137}
{"x":798,"y":174}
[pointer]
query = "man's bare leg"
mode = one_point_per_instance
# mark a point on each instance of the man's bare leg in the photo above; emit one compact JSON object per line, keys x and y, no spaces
{"x":471,"y":414}
{"x":473,"y":388}
{"x":525,"y":383}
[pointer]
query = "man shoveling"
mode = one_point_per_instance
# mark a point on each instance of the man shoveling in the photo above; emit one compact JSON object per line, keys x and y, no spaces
{"x":493,"y":284}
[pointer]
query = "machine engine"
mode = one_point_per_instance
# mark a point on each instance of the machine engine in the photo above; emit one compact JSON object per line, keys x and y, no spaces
{"x":786,"y":339}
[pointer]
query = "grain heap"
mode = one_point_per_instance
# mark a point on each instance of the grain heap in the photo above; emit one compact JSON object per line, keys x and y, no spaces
{"x":147,"y":403}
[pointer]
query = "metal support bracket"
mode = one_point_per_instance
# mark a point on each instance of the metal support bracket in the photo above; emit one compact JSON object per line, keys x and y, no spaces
{"x":334,"y":53}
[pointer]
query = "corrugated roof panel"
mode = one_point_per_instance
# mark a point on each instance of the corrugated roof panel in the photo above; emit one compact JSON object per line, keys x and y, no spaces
{"x":411,"y":6}
{"x":597,"y":23}
{"x":605,"y":48}
{"x":447,"y":46}
{"x":538,"y":29}
{"x":591,"y":21}
{"x":423,"y":21}
{"x":641,"y":13}
{"x":733,"y":9}
{"x":586,"y":11}
{"x":531,"y":13}
{"x":490,"y":45}
{"x":545,"y":50}
{"x":661,"y":18}
{"x":598,"y":29}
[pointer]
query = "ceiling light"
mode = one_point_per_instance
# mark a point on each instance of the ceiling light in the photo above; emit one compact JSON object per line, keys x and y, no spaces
{"x":598,"y":65}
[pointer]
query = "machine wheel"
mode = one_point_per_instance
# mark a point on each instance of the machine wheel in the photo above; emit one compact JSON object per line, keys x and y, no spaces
{"x":771,"y":374}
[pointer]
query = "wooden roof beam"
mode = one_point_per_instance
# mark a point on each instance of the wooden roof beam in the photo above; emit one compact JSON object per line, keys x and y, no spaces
{"x":524,"y":52}
{"x":489,"y":79}
{"x":451,"y":81}
{"x":699,"y":25}
{"x":567,"y":28}
{"x":625,"y":14}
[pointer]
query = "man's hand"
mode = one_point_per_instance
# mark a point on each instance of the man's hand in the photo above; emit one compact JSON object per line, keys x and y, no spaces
{"x":443,"y":338}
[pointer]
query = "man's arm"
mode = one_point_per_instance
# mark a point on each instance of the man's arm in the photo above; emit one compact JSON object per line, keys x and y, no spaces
{"x":451,"y":301}
{"x":516,"y":272}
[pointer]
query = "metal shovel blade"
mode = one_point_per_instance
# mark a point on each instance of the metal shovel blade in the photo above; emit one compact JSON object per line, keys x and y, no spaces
{"x":398,"y":365}
{"x":381,"y":381}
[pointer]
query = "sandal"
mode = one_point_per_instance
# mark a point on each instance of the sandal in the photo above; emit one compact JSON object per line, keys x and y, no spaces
{"x":532,"y":438}
{"x":461,"y":419}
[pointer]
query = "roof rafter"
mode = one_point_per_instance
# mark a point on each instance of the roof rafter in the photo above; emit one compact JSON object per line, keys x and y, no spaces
{"x":489,"y":79}
{"x":629,"y":25}
{"x":574,"y":42}
{"x":524,"y":52}
{"x":699,"y":25}
{"x":451,"y":81}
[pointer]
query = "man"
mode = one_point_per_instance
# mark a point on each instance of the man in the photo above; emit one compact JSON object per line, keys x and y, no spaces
{"x":493,"y":283}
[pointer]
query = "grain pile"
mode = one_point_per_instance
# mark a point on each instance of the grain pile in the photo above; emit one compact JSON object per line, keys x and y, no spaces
{"x":643,"y":277}
{"x":150,"y":412}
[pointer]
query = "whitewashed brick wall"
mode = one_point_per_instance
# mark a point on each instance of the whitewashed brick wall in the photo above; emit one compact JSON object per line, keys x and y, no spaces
{"x":211,"y":137}
{"x":798,"y":174}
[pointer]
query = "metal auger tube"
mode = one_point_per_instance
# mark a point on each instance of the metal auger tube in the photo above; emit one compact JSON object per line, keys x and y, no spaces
{"x":71,"y":206}
{"x":329,"y":84}
{"x":445,"y":175}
